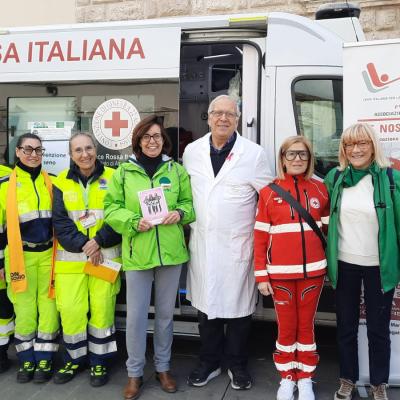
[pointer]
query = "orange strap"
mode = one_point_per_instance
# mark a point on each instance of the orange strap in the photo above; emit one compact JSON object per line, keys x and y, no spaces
{"x":19,"y":282}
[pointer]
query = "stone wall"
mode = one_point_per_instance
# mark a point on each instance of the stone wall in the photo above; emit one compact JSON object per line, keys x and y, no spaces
{"x":380,"y":19}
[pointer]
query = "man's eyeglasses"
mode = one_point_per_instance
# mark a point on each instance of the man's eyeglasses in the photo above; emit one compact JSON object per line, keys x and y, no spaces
{"x":219,"y":114}
{"x":80,"y":150}
{"x":28,"y":150}
{"x":157,"y":137}
{"x":362,"y":145}
{"x":292,"y":155}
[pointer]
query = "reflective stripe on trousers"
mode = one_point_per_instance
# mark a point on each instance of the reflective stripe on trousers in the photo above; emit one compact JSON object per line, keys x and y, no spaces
{"x":41,"y":342}
{"x":6,"y":328}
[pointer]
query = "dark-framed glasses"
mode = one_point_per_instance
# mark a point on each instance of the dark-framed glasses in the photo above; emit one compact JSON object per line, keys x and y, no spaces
{"x":291,"y":155}
{"x":157,"y":137}
{"x":362,"y":145}
{"x":28,"y":150}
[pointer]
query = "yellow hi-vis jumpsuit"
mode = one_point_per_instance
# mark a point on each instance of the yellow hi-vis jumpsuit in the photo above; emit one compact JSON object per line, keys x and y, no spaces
{"x":36,"y":316}
{"x":78,"y":293}
{"x":6,"y":309}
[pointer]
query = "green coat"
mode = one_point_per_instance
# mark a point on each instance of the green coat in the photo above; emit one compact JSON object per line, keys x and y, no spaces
{"x":388,"y":220}
{"x":163,"y":244}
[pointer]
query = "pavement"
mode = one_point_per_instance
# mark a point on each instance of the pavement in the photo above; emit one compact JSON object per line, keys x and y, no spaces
{"x":184,"y":358}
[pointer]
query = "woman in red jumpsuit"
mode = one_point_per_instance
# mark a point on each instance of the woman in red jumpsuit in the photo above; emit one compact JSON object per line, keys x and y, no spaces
{"x":290,"y":264}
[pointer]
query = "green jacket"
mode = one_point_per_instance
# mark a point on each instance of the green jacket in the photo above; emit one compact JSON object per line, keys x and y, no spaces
{"x":163,"y":244}
{"x":388,"y":219}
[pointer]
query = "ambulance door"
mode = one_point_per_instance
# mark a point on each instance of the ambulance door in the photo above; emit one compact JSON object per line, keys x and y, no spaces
{"x":231,"y":66}
{"x":309,"y":102}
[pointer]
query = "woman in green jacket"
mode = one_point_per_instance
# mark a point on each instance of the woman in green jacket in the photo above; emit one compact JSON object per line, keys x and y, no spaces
{"x":150,"y":251}
{"x":363,"y":247}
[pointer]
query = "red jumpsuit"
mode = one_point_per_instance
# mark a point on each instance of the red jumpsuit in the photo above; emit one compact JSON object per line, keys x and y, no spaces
{"x":289,"y":255}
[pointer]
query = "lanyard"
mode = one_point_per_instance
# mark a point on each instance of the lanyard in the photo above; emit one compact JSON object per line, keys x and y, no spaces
{"x":85,"y":193}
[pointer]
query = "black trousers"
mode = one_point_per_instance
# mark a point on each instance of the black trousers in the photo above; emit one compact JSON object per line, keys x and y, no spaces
{"x":6,"y":312}
{"x":218,"y":344}
{"x":378,"y":306}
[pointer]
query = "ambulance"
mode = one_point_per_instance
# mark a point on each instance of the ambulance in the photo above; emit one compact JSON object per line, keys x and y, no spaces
{"x":285,"y":70}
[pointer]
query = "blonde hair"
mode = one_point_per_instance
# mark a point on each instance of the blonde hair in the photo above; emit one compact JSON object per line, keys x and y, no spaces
{"x":356,"y":133}
{"x":285,"y":145}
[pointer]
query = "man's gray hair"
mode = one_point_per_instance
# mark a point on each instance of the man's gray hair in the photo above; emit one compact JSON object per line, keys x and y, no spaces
{"x":220,"y":97}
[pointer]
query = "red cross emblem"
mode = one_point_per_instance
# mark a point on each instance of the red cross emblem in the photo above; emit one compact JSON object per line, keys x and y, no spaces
{"x":116,"y":123}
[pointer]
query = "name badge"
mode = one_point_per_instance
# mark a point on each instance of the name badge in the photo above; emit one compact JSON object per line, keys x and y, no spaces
{"x":88,"y":220}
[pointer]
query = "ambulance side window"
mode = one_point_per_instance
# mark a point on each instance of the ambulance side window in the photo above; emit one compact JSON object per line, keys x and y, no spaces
{"x":318,"y":108}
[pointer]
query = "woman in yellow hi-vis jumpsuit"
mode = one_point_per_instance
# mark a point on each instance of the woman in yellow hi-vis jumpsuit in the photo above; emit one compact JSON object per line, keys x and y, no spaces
{"x":27,"y":241}
{"x":6,"y":309}
{"x":82,"y":234}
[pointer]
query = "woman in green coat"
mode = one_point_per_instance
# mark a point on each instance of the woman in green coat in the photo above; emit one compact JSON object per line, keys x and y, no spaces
{"x":150,"y":251}
{"x":363,"y":247}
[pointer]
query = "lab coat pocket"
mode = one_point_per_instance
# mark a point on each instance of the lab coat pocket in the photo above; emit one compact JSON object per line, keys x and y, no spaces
{"x":236,"y":191}
{"x":242,"y":246}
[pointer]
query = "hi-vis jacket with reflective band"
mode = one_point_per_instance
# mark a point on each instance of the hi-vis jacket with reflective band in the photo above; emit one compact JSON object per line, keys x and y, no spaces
{"x":286,"y":247}
{"x":34,"y":210}
{"x":69,"y":206}
{"x":163,"y":244}
{"x":4,"y":170}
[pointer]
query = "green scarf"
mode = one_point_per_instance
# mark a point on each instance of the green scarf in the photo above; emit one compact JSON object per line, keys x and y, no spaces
{"x":352,"y":176}
{"x":388,"y":248}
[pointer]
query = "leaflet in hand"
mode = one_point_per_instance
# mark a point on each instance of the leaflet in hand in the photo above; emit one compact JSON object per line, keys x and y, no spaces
{"x":108,"y":270}
{"x":153,"y":205}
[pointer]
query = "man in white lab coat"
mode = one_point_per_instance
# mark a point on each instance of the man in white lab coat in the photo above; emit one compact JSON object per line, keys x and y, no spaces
{"x":226,"y":172}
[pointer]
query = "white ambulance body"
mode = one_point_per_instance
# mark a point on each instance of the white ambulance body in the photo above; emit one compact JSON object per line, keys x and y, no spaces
{"x":285,"y":70}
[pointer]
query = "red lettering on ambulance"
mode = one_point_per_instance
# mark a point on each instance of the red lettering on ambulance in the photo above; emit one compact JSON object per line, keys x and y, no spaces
{"x":113,"y":48}
{"x":84,"y":50}
{"x":55,"y":51}
{"x":70,"y":57}
{"x":11,"y":53}
{"x":41,"y":49}
{"x":97,"y":50}
{"x":136,"y":48}
{"x":30,"y":52}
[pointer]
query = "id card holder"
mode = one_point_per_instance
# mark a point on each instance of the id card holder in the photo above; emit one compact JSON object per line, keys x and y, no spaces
{"x":88,"y":220}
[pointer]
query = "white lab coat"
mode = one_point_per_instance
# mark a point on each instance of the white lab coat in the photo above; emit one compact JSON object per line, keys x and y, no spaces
{"x":220,"y":280}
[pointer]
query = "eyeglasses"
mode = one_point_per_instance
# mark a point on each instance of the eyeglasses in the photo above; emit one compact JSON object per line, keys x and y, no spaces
{"x":219,"y":114}
{"x":79,"y":150}
{"x":291,"y":155}
{"x":29,"y":150}
{"x":362,"y":145}
{"x":157,"y":137}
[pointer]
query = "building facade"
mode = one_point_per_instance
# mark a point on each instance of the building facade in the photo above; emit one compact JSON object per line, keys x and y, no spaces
{"x":380,"y":18}
{"x":39,"y":12}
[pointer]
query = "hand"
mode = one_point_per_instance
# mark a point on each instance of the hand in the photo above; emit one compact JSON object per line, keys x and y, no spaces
{"x":2,"y":274}
{"x":90,"y":247}
{"x":172,"y":217}
{"x":97,"y":258}
{"x":265,"y":288}
{"x":144,"y":225}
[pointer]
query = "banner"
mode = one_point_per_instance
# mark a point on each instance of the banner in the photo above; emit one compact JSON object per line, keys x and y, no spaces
{"x":371,"y":93}
{"x":90,"y":54}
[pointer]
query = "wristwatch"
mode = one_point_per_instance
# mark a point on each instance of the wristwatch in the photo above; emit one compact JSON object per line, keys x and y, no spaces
{"x":181,"y":213}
